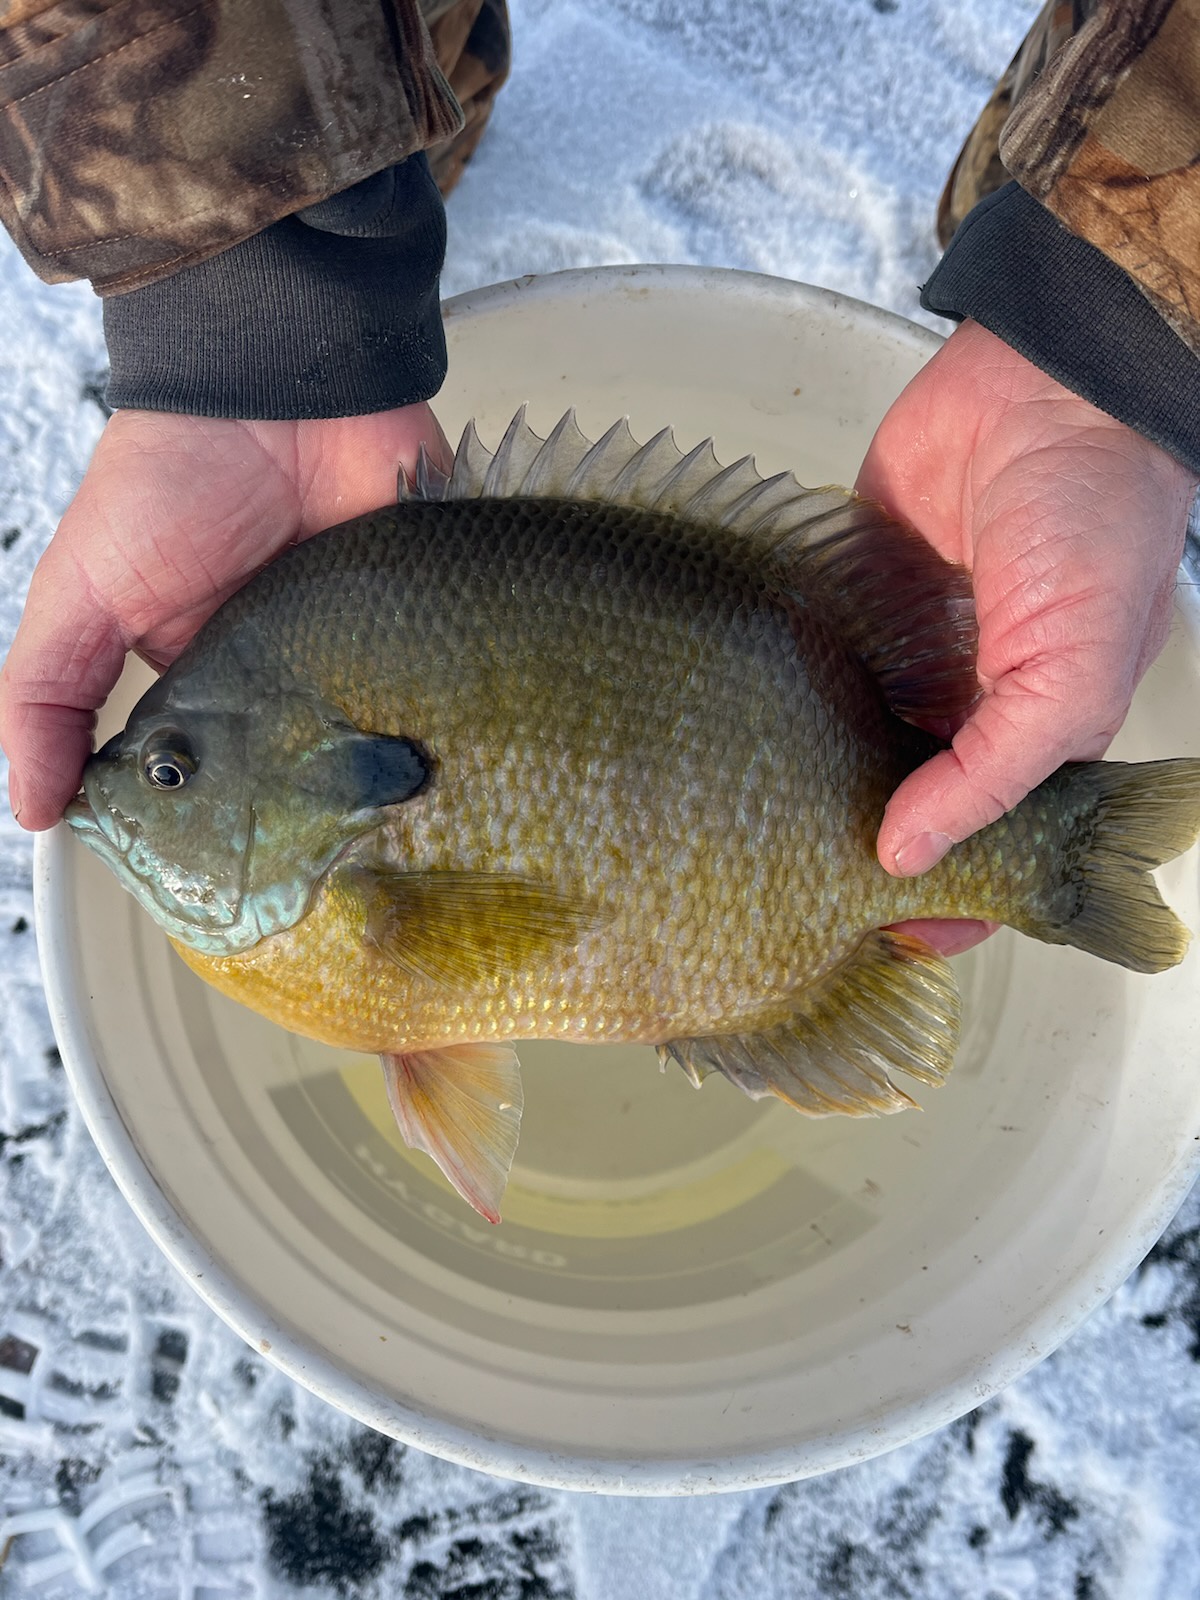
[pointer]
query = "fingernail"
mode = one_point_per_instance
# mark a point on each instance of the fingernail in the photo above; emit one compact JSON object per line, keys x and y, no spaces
{"x":14,"y":795}
{"x":921,"y":853}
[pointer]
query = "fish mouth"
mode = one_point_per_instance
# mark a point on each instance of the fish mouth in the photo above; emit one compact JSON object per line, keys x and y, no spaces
{"x":116,"y":840}
{"x":100,"y":827}
{"x":220,"y":918}
{"x":109,"y":837}
{"x":79,"y":812}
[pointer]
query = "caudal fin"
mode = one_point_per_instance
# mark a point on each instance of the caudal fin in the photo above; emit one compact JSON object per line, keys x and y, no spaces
{"x":1123,"y":820}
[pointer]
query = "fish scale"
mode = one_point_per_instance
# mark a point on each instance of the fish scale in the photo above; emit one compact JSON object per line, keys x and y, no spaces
{"x":601,"y":762}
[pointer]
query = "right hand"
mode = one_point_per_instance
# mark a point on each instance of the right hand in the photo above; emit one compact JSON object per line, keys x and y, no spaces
{"x":173,"y":515}
{"x":1072,"y":526}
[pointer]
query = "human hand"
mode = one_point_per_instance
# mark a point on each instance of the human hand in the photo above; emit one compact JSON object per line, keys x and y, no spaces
{"x":173,"y":515}
{"x":1072,"y":526}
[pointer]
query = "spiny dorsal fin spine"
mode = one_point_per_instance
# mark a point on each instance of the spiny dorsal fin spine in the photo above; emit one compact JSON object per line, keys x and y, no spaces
{"x":471,"y":461}
{"x":512,"y":462}
{"x":429,"y":481}
{"x":653,"y":461}
{"x":737,"y":514}
{"x":565,"y":441}
{"x":711,"y":498}
{"x":678,"y":474}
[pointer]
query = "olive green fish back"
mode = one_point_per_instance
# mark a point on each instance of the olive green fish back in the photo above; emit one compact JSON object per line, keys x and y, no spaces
{"x":908,"y":613}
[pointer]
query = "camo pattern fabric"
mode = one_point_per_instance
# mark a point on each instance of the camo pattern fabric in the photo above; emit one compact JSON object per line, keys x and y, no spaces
{"x":1098,"y":117}
{"x":473,"y":45}
{"x":141,"y":136}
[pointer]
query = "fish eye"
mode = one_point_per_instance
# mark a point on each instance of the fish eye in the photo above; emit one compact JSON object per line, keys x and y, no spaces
{"x":170,"y":763}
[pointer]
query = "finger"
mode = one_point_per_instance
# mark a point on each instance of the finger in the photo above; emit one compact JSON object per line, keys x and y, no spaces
{"x":47,"y":757}
{"x":65,"y":658}
{"x":947,"y":937}
{"x":1014,"y":740}
{"x":889,"y":475}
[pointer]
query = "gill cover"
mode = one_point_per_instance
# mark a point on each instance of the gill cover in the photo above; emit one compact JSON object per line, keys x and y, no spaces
{"x":222,"y":822}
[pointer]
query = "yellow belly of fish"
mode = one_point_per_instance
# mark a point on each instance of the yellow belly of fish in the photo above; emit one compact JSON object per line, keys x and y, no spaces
{"x":633,"y":979}
{"x":320,"y":980}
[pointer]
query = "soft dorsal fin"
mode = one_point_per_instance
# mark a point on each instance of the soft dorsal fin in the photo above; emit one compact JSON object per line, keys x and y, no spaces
{"x":904,"y":610}
{"x":907,"y":612}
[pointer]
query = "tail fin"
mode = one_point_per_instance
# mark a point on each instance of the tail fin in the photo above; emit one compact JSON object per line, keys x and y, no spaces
{"x":1123,"y":820}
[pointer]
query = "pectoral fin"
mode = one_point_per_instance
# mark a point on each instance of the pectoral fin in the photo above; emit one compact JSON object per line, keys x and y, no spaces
{"x":462,"y":1106}
{"x":462,"y":928}
{"x":892,"y":1006}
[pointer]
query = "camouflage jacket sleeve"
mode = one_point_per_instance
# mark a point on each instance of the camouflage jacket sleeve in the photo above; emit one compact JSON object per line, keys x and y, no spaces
{"x":1089,"y":262}
{"x":245,"y":183}
{"x":141,"y":136}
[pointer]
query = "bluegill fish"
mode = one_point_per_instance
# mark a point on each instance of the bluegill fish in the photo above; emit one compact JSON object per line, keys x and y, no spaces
{"x":592,"y":742}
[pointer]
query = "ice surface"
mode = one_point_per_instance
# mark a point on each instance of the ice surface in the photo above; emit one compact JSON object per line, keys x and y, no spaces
{"x":144,"y":1451}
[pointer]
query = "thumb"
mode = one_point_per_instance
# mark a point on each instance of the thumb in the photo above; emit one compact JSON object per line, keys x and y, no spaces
{"x":1016,"y":737}
{"x":65,"y":657}
{"x":60,"y":668}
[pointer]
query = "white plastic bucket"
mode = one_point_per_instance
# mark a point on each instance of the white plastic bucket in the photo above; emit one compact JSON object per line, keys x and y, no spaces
{"x":690,"y":1291}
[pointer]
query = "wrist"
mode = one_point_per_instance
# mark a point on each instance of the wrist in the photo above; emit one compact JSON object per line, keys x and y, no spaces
{"x":1071,"y":311}
{"x":1020,"y":401}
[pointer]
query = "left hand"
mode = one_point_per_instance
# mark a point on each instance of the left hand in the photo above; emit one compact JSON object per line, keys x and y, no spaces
{"x":174,"y":514}
{"x":1072,"y":526}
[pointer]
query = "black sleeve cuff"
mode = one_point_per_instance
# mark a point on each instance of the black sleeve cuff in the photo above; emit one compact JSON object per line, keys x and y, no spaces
{"x":332,"y":312}
{"x":1063,"y":305}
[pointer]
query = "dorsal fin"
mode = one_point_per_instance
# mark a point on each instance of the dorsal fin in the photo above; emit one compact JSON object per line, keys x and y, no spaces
{"x":906,"y":612}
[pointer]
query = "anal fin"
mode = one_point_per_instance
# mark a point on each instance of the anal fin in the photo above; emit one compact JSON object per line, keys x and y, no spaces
{"x":461,"y":1105}
{"x":892,"y":1006}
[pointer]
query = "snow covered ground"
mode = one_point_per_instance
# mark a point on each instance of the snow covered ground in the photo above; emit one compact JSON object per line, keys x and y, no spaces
{"x":144,"y":1451}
